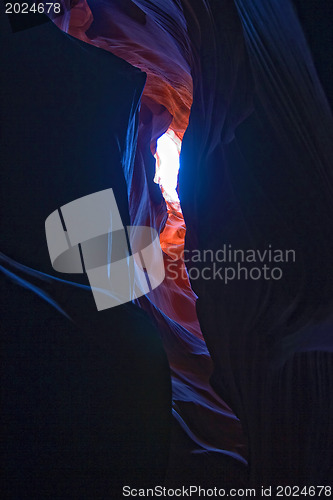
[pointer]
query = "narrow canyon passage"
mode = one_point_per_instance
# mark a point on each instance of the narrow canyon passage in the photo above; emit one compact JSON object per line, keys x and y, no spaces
{"x":211,"y":122}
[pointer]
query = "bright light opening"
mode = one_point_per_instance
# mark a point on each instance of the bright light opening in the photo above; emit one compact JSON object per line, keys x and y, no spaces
{"x":167,"y":165}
